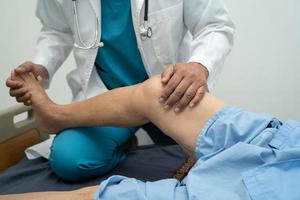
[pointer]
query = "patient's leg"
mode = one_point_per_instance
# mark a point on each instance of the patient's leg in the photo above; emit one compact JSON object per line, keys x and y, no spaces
{"x":123,"y":107}
{"x":128,"y":106}
{"x":80,"y":194}
{"x":113,"y":108}
{"x":183,"y":127}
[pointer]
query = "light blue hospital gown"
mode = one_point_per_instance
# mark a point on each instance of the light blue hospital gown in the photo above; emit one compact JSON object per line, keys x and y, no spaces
{"x":240,"y":156}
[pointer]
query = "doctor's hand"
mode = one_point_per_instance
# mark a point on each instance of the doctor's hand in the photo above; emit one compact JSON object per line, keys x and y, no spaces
{"x":16,"y":86}
{"x":185,"y":85}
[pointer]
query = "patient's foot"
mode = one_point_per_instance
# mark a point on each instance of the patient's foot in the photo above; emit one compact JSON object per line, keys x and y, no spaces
{"x":46,"y":111}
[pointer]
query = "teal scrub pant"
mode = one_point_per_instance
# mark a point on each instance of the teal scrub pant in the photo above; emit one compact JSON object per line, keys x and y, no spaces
{"x":87,"y":152}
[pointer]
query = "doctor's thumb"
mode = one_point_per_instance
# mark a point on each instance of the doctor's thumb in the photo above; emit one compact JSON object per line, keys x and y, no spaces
{"x":24,"y":68}
{"x":40,"y":80}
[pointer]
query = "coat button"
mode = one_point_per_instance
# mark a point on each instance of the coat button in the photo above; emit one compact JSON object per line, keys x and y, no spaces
{"x":101,"y":44}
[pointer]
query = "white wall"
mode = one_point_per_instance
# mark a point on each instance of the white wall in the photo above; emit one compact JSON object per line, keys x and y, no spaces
{"x":263,"y":71}
{"x":19,"y":31}
{"x":261,"y":74}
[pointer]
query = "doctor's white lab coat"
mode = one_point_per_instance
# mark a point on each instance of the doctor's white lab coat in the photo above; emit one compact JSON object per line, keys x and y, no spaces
{"x":183,"y":31}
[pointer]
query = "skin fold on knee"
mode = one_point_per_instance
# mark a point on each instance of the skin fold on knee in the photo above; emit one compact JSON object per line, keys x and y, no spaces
{"x":146,"y":95}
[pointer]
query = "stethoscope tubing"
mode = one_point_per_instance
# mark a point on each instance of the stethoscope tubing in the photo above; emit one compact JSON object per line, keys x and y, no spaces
{"x":77,"y":27}
{"x":145,"y":32}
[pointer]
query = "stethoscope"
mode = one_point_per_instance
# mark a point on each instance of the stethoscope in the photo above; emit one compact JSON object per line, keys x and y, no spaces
{"x":145,"y":29}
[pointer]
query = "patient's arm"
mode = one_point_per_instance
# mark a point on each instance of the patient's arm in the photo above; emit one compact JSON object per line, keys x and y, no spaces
{"x":128,"y":106}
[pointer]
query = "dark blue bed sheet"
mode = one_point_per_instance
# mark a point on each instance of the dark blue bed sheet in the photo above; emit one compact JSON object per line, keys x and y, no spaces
{"x":147,"y":163}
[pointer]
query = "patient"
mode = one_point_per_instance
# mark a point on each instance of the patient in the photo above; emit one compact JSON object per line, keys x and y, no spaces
{"x":240,"y":155}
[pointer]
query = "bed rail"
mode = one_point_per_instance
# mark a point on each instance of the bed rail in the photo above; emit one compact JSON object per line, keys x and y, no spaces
{"x":18,"y":131}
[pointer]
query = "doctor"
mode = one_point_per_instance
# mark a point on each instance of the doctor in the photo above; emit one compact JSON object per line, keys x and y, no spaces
{"x":120,"y":43}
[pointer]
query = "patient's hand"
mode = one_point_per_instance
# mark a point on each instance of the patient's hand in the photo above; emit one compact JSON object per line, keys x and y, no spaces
{"x":44,"y":108}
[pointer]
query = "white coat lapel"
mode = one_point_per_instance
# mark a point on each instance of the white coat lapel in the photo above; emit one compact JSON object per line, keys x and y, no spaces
{"x":96,"y":6}
{"x":90,"y":54}
{"x":137,"y":6}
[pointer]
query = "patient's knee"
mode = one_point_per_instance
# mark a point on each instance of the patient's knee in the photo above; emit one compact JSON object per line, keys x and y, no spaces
{"x":152,"y":88}
{"x":146,"y":96}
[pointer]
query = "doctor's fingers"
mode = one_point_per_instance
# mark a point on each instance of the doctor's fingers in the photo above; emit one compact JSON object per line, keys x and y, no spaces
{"x":170,"y":87}
{"x":25,"y":68}
{"x":199,"y":95}
{"x":168,"y":73}
{"x":14,"y":81}
{"x":188,"y":96}
{"x":13,"y":84}
{"x":26,"y":99}
{"x":178,"y":93}
{"x":18,"y":92}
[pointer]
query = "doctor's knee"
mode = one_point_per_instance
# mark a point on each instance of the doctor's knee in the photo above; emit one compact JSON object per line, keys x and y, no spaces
{"x":72,"y":159}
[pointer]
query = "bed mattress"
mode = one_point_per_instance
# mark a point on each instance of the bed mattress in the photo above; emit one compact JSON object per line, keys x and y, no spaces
{"x":146,"y":163}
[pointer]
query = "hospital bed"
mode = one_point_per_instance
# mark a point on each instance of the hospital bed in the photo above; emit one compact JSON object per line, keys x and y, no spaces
{"x":18,"y":131}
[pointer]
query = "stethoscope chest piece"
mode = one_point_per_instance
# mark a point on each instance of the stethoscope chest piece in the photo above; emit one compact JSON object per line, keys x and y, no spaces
{"x":146,"y":32}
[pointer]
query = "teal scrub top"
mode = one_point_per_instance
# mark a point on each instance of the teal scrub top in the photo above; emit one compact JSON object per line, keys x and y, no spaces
{"x":119,"y":62}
